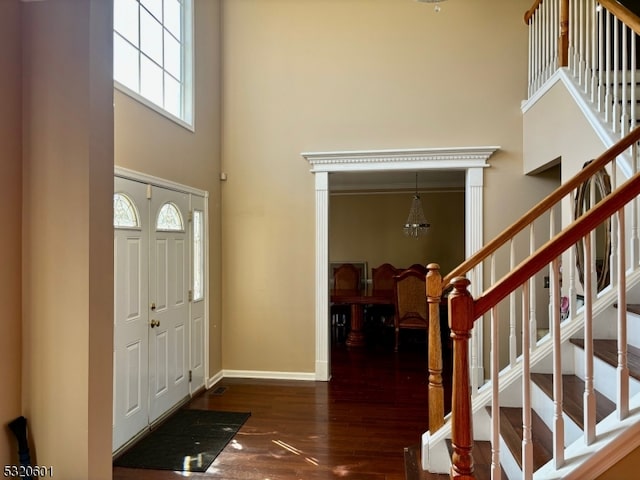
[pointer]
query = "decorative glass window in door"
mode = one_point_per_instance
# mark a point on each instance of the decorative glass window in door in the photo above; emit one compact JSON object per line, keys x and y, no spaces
{"x":169,"y":219}
{"x":198,"y":255}
{"x":125,"y":214}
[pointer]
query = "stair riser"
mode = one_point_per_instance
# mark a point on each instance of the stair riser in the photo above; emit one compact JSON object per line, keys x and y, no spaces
{"x":633,"y":329}
{"x":543,"y":406}
{"x":604,"y":376}
{"x":605,"y":326}
{"x":508,"y":462}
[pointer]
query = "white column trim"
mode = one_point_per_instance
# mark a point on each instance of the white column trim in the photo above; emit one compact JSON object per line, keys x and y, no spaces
{"x":471,"y":159}
{"x":323,"y":357}
{"x":474,"y":234}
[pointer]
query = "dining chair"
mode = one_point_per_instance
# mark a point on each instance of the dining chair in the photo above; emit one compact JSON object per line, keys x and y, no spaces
{"x":346,"y":277}
{"x":382,"y":282}
{"x":420,"y":268}
{"x":410,"y":303}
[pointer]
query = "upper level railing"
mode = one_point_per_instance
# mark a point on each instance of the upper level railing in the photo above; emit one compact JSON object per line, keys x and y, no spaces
{"x":599,"y":43}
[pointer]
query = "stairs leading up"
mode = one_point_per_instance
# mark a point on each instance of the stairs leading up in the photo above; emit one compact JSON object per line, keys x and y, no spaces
{"x":607,"y":351}
{"x":572,"y":395}
{"x":511,"y":430}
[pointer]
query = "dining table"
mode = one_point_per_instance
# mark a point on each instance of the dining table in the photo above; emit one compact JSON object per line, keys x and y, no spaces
{"x":358,"y":300}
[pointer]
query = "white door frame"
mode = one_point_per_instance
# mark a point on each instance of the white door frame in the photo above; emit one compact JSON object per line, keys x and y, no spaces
{"x":168,"y":184}
{"x":471,"y":159}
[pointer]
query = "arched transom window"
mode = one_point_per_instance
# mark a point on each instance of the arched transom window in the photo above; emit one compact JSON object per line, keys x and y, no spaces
{"x":169,"y":219}
{"x":125,"y":213}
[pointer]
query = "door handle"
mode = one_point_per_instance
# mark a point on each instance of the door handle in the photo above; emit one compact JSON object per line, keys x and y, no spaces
{"x":154,"y":323}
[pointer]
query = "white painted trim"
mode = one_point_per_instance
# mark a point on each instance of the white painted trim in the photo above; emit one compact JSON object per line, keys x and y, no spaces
{"x":268,"y":375}
{"x":459,"y":158}
{"x":211,"y":381}
{"x":600,"y":127}
{"x":471,"y":159}
{"x":157,"y":181}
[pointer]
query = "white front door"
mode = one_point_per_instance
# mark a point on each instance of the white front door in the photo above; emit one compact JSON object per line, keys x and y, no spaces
{"x":169,"y":300}
{"x":131,"y":311}
{"x":159,"y":331}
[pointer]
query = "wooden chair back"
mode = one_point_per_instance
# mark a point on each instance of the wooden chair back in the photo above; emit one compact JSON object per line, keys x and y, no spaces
{"x":410,"y":302}
{"x":346,"y":277}
{"x":419,"y":268}
{"x":382,"y":277}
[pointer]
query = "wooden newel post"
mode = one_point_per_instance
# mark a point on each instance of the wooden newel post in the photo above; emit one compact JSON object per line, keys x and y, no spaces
{"x":436,"y":391}
{"x":563,"y":39}
{"x":461,"y":323}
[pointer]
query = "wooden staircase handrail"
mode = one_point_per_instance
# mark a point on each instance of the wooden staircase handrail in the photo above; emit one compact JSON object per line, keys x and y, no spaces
{"x":529,"y":13}
{"x":620,"y":11}
{"x":558,"y":244}
{"x":548,"y":202}
{"x":625,"y":15}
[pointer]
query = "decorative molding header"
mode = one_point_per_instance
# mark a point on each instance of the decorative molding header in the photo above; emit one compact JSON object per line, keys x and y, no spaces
{"x":403,"y":159}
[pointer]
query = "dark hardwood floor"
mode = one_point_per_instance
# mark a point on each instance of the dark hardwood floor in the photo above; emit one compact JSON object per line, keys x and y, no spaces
{"x":355,"y":426}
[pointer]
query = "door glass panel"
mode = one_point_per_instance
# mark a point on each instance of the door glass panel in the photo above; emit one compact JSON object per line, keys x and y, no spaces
{"x":198,"y":255}
{"x":169,"y":219}
{"x":125,"y":214}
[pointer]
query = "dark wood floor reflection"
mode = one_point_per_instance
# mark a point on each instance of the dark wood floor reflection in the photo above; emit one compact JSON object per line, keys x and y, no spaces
{"x":354,"y":427}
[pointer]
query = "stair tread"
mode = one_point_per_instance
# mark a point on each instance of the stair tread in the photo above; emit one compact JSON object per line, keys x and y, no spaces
{"x":631,"y":307}
{"x":572,"y":397}
{"x":607,"y":351}
{"x":511,"y":432}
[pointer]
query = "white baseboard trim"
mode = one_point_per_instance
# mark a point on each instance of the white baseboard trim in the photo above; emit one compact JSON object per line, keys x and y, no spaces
{"x":211,"y":381}
{"x":262,"y":374}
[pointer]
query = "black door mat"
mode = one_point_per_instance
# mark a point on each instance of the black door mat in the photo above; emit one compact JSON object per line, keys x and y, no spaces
{"x":189,"y":441}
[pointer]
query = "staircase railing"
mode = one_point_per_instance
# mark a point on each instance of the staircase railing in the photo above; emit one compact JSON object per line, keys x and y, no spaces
{"x":563,"y":33}
{"x":519,"y":281}
{"x":599,"y":43}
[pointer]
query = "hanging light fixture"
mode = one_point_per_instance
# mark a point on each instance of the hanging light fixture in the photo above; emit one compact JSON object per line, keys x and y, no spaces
{"x":437,"y":7}
{"x":416,"y":225}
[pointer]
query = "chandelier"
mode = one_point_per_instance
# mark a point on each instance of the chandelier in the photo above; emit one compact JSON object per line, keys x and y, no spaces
{"x":437,"y":7}
{"x":416,"y":224}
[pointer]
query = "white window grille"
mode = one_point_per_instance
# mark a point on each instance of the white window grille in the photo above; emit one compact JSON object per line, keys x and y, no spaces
{"x":153,"y":55}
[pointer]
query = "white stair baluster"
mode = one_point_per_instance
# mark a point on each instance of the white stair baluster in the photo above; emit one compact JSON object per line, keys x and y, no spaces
{"x":513,"y":341}
{"x":558,"y":420}
{"x":495,"y":395}
{"x":622,"y":405}
{"x":527,"y":441}
{"x":589,"y":395}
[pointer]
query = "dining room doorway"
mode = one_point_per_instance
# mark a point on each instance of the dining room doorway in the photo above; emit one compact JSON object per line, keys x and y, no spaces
{"x":471,"y":160}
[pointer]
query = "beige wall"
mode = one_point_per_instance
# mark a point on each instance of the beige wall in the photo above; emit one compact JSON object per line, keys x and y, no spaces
{"x":10,"y":248}
{"x":368,"y":227}
{"x":68,"y":235}
{"x":555,"y":127}
{"x":148,"y":142}
{"x":304,"y":76}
